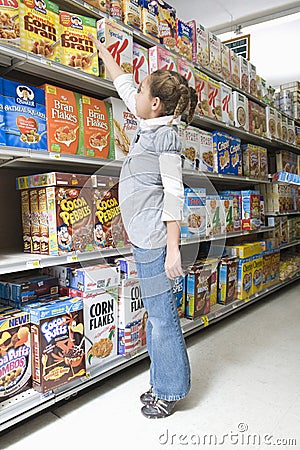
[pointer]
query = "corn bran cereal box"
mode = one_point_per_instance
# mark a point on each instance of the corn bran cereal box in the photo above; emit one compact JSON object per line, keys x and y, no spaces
{"x":186,"y":69}
{"x":200,"y":43}
{"x":97,"y":127}
{"x":235,"y":77}
{"x":40,"y":28}
{"x":202,"y":87}
{"x":9,"y":22}
{"x":226,"y":104}
{"x":132,"y":13}
{"x":150,"y":22}
{"x":214,"y":54}
{"x":160,"y":58}
{"x":77,"y":49}
{"x":140,"y":63}
{"x":119,"y":42}
{"x":167,"y":25}
{"x":184,"y":39}
{"x":63,"y":111}
{"x":214,"y":99}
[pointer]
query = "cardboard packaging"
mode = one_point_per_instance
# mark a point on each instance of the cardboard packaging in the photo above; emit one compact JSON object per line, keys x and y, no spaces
{"x":235,"y":76}
{"x":214,"y":54}
{"x":226,"y":104}
{"x":140,"y":63}
{"x":215,"y":215}
{"x":225,"y":62}
{"x":201,"y":86}
{"x":205,"y":151}
{"x":190,"y":151}
{"x":184,"y":39}
{"x":132,"y":13}
{"x":93,"y":278}
{"x":186,"y":69}
{"x":167,"y":25}
{"x":198,"y":290}
{"x":160,"y":58}
{"x":244,"y":74}
{"x":194,"y":213}
{"x":150,"y":21}
{"x":240,"y":110}
{"x":10,"y":28}
{"x":200,"y":43}
{"x":227,"y":285}
{"x":250,"y":210}
{"x":214,"y":99}
{"x":252,"y":79}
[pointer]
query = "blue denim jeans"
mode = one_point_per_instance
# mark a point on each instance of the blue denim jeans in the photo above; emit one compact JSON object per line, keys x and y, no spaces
{"x":169,"y":368}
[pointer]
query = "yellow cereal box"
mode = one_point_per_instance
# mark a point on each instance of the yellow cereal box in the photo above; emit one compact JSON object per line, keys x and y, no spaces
{"x":245,"y":275}
{"x":257,"y":284}
{"x":150,"y":19}
{"x":9,"y":22}
{"x":39,"y":28}
{"x":77,"y":49}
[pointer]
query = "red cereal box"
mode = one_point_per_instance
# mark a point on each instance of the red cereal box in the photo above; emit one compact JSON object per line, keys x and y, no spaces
{"x":186,"y":69}
{"x":159,"y":58}
{"x":201,"y":86}
{"x":214,"y":99}
{"x":140,"y":63}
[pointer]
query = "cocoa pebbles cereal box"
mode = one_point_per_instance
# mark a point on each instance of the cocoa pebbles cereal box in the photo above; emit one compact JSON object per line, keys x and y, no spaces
{"x":40,"y":28}
{"x":184,"y":39}
{"x":63,"y":111}
{"x":77,"y":49}
{"x":140,"y":63}
{"x":167,"y":25}
{"x":9,"y":22}
{"x":15,"y":353}
{"x":119,"y":42}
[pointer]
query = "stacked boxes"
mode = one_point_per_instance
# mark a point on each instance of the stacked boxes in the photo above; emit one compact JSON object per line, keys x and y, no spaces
{"x":140,"y":63}
{"x":250,"y":210}
{"x":198,"y":290}
{"x":160,"y":58}
{"x":194,"y":213}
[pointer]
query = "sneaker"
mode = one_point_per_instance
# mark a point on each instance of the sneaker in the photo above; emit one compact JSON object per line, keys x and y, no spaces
{"x":158,"y":409}
{"x":147,"y":397}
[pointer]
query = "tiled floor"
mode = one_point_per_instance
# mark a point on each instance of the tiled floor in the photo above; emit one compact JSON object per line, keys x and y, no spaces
{"x":245,"y":390}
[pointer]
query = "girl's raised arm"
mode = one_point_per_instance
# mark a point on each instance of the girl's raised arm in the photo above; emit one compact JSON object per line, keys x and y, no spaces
{"x":113,"y":68}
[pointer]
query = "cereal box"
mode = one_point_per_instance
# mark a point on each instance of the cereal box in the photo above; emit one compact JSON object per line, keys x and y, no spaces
{"x":160,"y":58}
{"x":140,"y":63}
{"x":252,"y":79}
{"x":226,"y":104}
{"x":271,"y":117}
{"x":132,"y":318}
{"x":225,"y":62}
{"x":150,"y":22}
{"x":93,"y":278}
{"x":100,"y":314}
{"x":178,"y":290}
{"x":132,"y":13}
{"x":227,"y":205}
{"x":221,"y":149}
{"x":214,"y":262}
{"x":257,"y":274}
{"x":127,"y":267}
{"x":235,"y":77}
{"x":77,"y":49}
{"x":198,"y":290}
{"x":2,"y":120}
{"x":40,"y":28}
{"x":15,"y":360}
{"x":167,"y":25}
{"x":284,"y":123}
{"x":250,"y":210}
{"x":214,"y":54}
{"x":115,"y":9}
{"x":200,"y":43}
{"x":25,"y":289}
{"x":186,"y":69}
{"x":235,"y":156}
{"x":63,"y":111}
{"x":25,"y":116}
{"x":205,"y":151}
{"x":194,"y":213}
{"x":184,"y":39}
{"x":291,"y":131}
{"x":214,"y":99}
{"x":9,"y":22}
{"x":244,"y":73}
{"x":244,"y":278}
{"x":240,"y":110}
{"x":263,"y":163}
{"x":35,"y":222}
{"x":279,"y":124}
{"x":118,"y":40}
{"x":190,"y":152}
{"x":227,"y":291}
{"x":102,"y":5}
{"x":201,"y":86}
{"x":125,"y":127}
{"x":254,"y":118}
{"x":215,"y":215}
{"x":250,"y":160}
{"x":26,"y":220}
{"x":286,"y":161}
{"x":97,"y":127}
{"x":57,"y":339}
{"x":297,"y":139}
{"x":236,"y":208}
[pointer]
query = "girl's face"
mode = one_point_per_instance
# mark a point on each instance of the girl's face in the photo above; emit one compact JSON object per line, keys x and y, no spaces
{"x":144,"y":101}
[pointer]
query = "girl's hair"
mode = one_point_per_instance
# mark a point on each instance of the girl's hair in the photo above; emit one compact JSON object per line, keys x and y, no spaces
{"x":174,"y":92}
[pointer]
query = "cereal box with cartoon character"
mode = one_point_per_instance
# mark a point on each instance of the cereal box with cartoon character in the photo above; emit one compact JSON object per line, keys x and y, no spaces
{"x":257,"y":275}
{"x":9,"y":22}
{"x":25,"y":116}
{"x":140,"y":63}
{"x":167,"y":25}
{"x":184,"y":39}
{"x":227,"y":280}
{"x":226,"y":104}
{"x":202,"y":86}
{"x":119,"y":41}
{"x":200,"y":43}
{"x":40,"y":28}
{"x":26,"y":220}
{"x":150,"y":21}
{"x":186,"y":69}
{"x":132,"y":13}
{"x":77,"y":49}
{"x":160,"y":58}
{"x":214,"y":54}
{"x":194,"y":213}
{"x":205,"y":151}
{"x":214,"y":99}
{"x":221,"y":149}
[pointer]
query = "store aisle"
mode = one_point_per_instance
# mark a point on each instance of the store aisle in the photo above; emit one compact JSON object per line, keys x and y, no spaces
{"x":245,"y":386}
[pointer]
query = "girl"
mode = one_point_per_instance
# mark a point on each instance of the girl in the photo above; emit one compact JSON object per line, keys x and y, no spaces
{"x":151,"y":200}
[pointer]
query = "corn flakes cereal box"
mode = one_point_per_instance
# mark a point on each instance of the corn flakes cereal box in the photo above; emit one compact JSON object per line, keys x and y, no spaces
{"x":225,"y":62}
{"x":252,"y":79}
{"x":244,"y":278}
{"x":184,"y":39}
{"x":227,"y":205}
{"x":40,"y":28}
{"x":132,"y":318}
{"x":178,"y":287}
{"x":215,"y":215}
{"x":186,"y":69}
{"x":167,"y":25}
{"x":9,"y":22}
{"x":194,"y":213}
{"x":115,"y":9}
{"x":240,"y":110}
{"x":214,"y":99}
{"x":235,"y":156}
{"x":198,"y":290}
{"x":190,"y":152}
{"x":227,"y":280}
{"x":226,"y":104}
{"x":125,"y":127}
{"x":132,"y":13}
{"x":97,"y":127}
{"x":200,"y":43}
{"x":140,"y":63}
{"x":101,"y":5}
{"x":205,"y":151}
{"x":63,"y":125}
{"x":100,"y":314}
{"x":250,"y":160}
{"x":235,"y":77}
{"x":221,"y":149}
{"x":214,"y":54}
{"x":119,"y":41}
{"x":160,"y":58}
{"x":77,"y":49}
{"x":150,"y":21}
{"x":250,"y":210}
{"x":244,"y":73}
{"x":202,"y":87}
{"x":15,"y":360}
{"x":25,"y":116}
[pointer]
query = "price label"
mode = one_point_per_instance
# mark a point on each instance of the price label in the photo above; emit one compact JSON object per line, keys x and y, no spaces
{"x":87,"y":6}
{"x":33,"y":264}
{"x":54,"y":155}
{"x":47,"y":395}
{"x":72,"y":258}
{"x":205,"y":320}
{"x":47,"y":62}
{"x":247,"y":300}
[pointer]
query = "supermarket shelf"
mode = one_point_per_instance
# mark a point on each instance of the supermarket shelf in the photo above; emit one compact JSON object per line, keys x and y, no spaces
{"x":270,"y":213}
{"x":195,"y":240}
{"x":190,"y":173}
{"x":289,"y":244}
{"x":31,"y":402}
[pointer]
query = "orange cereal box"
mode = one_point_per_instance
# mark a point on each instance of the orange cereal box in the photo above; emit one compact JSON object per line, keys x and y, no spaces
{"x":39,"y":28}
{"x":63,"y":109}
{"x":97,"y":127}
{"x":77,"y":49}
{"x":9,"y":22}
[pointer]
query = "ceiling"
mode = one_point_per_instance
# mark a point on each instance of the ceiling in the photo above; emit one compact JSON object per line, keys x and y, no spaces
{"x":221,"y":16}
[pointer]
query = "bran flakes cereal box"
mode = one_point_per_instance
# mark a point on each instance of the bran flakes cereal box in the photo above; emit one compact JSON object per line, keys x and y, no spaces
{"x":226,"y":104}
{"x":244,"y":73}
{"x":63,"y":111}
{"x":9,"y":22}
{"x":132,"y":318}
{"x":190,"y":151}
{"x":214,"y":99}
{"x":115,"y":9}
{"x":15,"y":359}
{"x":40,"y":28}
{"x":184,"y":39}
{"x":167,"y":25}
{"x":225,"y":62}
{"x":200,"y":43}
{"x":77,"y":49}
{"x":140,"y":63}
{"x":186,"y":69}
{"x":201,"y":86}
{"x":100,"y":314}
{"x":235,"y":77}
{"x":205,"y":151}
{"x":160,"y":58}
{"x":132,"y":13}
{"x":97,"y":127}
{"x":25,"y":116}
{"x":150,"y":22}
{"x":214,"y":54}
{"x":119,"y":41}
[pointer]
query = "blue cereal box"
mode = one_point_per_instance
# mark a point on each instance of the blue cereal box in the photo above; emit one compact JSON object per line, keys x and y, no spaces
{"x":194,"y":213}
{"x":25,"y":116}
{"x":221,"y":150}
{"x":235,"y":156}
{"x":2,"y":121}
{"x":178,"y":290}
{"x":184,"y":39}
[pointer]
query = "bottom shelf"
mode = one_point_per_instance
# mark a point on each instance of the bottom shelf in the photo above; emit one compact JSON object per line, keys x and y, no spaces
{"x":30,"y":402}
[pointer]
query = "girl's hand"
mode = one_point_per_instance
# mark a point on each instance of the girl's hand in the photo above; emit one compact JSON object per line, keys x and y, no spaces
{"x":99,"y":46}
{"x":113,"y":68}
{"x":173,"y":263}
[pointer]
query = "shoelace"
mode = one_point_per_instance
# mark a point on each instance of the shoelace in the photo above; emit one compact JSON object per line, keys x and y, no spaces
{"x":160,"y":405}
